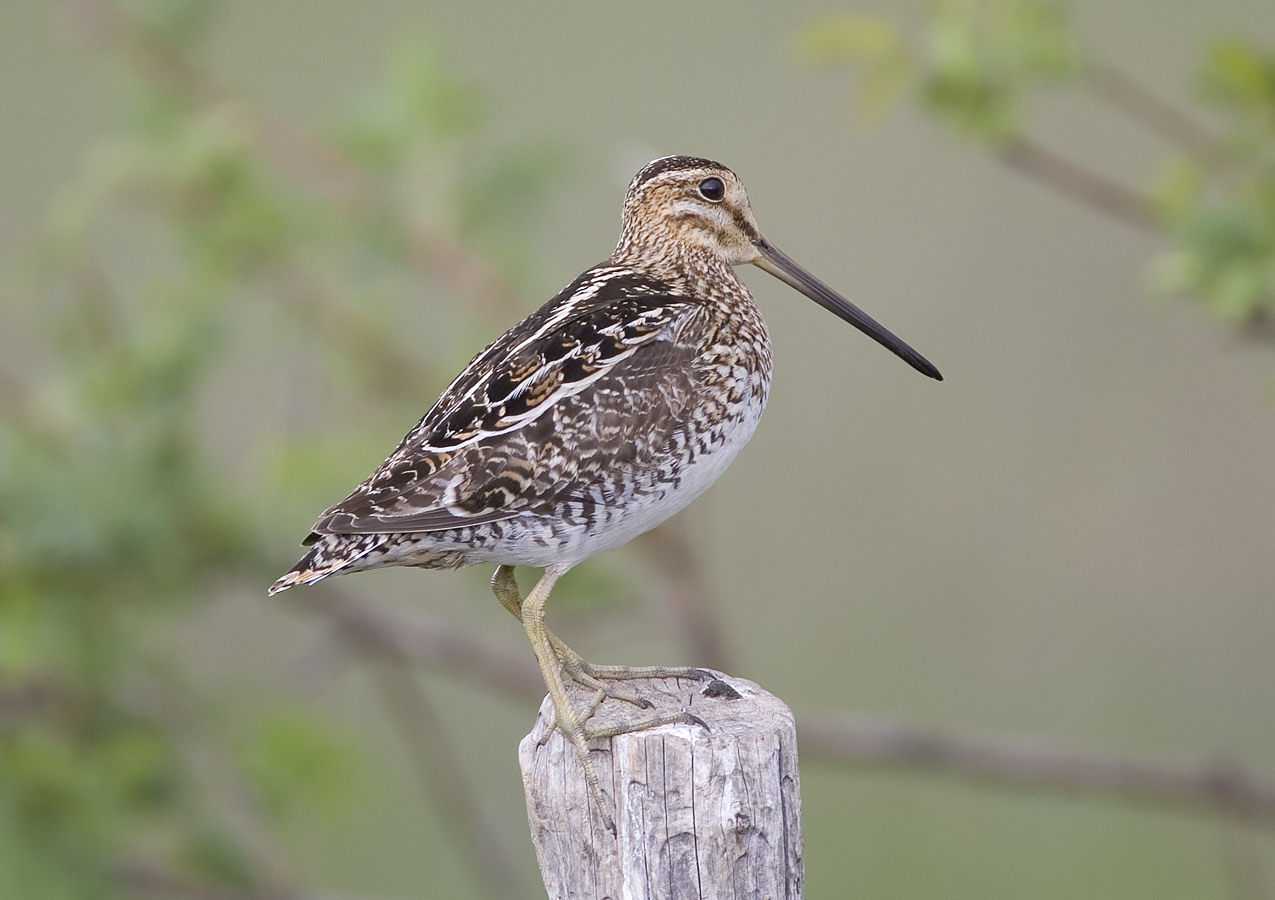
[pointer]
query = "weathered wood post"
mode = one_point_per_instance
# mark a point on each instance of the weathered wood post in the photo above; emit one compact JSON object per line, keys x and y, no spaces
{"x":699,"y":813}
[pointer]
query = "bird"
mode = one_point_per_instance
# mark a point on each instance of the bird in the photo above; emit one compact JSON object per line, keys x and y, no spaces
{"x":594,"y":419}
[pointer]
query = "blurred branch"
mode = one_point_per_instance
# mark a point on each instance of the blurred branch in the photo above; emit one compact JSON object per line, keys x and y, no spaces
{"x":1071,"y":180}
{"x":1138,"y":103}
{"x":1211,"y":787}
{"x":319,"y":166}
{"x":32,"y":697}
{"x":299,"y":155}
{"x":395,"y":645}
{"x":993,"y":759}
{"x":394,"y":371}
{"x":689,"y":599}
{"x":1210,"y":200}
{"x":1260,"y":328}
{"x":422,"y":641}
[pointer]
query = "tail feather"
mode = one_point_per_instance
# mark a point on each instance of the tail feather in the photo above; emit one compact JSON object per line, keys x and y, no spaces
{"x":330,"y":555}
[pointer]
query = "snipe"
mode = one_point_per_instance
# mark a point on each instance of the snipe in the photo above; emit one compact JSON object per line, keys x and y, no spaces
{"x":594,"y":419}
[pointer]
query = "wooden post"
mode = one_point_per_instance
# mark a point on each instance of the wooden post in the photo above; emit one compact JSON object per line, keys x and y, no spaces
{"x":699,"y":813}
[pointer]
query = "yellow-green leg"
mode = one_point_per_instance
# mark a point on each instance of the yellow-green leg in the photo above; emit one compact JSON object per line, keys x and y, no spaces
{"x":577,"y":668}
{"x":531,"y":610}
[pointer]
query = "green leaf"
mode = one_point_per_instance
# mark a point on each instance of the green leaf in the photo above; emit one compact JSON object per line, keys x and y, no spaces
{"x":1236,"y":72}
{"x":985,"y":56}
{"x":980,"y":60}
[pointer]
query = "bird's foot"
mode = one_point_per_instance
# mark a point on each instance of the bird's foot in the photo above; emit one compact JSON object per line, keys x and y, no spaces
{"x":600,"y":679}
{"x":642,"y":724}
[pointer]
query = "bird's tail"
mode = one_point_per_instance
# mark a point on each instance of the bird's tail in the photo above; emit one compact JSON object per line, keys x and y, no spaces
{"x":331,"y":554}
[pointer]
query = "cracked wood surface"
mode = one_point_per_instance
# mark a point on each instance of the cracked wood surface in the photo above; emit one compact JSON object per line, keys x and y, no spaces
{"x":699,"y":814}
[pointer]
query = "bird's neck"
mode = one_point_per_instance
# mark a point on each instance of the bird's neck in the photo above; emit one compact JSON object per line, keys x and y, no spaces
{"x":686,"y":267}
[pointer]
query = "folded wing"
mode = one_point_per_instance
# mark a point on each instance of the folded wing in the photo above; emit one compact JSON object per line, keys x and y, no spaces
{"x":615,"y":373}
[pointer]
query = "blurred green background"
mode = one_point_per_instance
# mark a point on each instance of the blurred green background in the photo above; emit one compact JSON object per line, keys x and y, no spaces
{"x":244,"y":245}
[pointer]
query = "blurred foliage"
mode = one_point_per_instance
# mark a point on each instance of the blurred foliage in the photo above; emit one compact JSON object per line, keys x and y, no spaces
{"x":978,"y":65}
{"x":1219,"y":206}
{"x":979,"y":62}
{"x":115,"y":514}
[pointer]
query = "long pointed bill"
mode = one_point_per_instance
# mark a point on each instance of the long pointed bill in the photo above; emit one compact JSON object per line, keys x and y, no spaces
{"x":782,"y":267}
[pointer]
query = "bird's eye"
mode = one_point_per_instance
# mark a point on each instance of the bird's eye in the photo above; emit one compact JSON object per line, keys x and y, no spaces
{"x":712,"y":189}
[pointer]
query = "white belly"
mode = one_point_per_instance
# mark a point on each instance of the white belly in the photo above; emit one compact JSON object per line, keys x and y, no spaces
{"x":635,"y":503}
{"x":646,"y":509}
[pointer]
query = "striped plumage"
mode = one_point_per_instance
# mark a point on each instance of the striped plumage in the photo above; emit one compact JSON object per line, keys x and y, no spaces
{"x":553,"y":442}
{"x":594,"y":419}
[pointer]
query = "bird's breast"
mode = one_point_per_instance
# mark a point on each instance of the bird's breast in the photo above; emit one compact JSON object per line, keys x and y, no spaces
{"x":730,"y":383}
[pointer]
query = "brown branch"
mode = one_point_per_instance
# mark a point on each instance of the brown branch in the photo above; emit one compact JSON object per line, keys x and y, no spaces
{"x":429,"y":642}
{"x":300,"y":156}
{"x":1215,"y":787}
{"x":689,"y":599}
{"x":1000,"y":760}
{"x":34,"y":697}
{"x":1259,"y":327}
{"x":1137,"y":102}
{"x":395,"y":373}
{"x":395,"y":645}
{"x":1069,"y":179}
{"x":336,"y":179}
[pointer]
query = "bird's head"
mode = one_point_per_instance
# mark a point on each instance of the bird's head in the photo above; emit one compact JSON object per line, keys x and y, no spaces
{"x":684,"y":203}
{"x":694,"y":213}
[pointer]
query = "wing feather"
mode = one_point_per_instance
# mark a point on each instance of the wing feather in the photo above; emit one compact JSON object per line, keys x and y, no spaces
{"x":572,"y":392}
